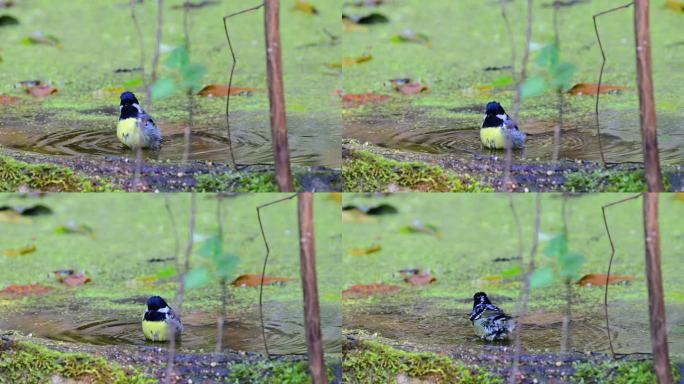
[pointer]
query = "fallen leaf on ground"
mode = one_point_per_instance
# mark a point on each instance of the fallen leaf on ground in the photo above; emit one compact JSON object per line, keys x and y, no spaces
{"x":365,"y":251}
{"x":599,"y":279}
{"x":305,"y":7}
{"x":41,"y":90}
{"x":255,"y":280}
{"x":350,"y":26}
{"x":9,"y":100}
{"x":375,"y":210}
{"x":33,"y":210}
{"x":411,"y":88}
{"x":41,"y":38}
{"x":24,"y":290}
{"x":675,"y":5}
{"x":679,"y":196}
{"x":373,"y":18}
{"x":72,"y":227}
{"x":367,"y":3}
{"x":354,"y":100}
{"x":369,"y":289}
{"x":20,"y":251}
{"x":592,"y":89}
{"x":408,"y":36}
{"x":349,"y":61}
{"x":356,"y":216}
{"x":335,"y":196}
{"x":221,"y":90}
{"x":418,"y":227}
{"x":72,"y":279}
{"x":6,"y":20}
{"x":420,"y":279}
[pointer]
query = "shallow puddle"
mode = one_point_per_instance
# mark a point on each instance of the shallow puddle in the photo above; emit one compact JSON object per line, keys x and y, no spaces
{"x":426,"y":323}
{"x":251,"y":140}
{"x":242,"y":332}
{"x":620,"y":136}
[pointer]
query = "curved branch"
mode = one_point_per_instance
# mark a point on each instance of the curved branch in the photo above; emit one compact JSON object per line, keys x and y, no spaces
{"x":263,"y":269}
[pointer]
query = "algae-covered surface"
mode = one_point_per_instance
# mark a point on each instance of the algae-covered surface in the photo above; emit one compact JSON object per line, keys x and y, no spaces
{"x":469,"y":243}
{"x":127,"y":240}
{"x":469,"y":49}
{"x":97,"y":56}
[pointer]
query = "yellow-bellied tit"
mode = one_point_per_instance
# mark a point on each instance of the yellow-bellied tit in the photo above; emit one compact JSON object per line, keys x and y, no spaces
{"x":489,"y":321}
{"x":160,"y":323}
{"x":498,"y":128}
{"x":136,"y":129}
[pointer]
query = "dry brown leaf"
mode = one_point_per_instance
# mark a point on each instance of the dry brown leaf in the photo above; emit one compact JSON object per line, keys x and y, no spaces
{"x":675,"y":5}
{"x":365,"y":251}
{"x":354,"y":100}
{"x":255,"y":280}
{"x":20,"y":251}
{"x":599,"y":279}
{"x":24,"y":290}
{"x":221,"y":90}
{"x":305,"y":7}
{"x":420,"y":279}
{"x":369,"y":289}
{"x":580,"y":89}
{"x":41,"y":90}
{"x":9,"y":100}
{"x":411,"y":88}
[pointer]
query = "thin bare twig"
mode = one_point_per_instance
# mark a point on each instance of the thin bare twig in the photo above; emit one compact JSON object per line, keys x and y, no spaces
{"x":138,"y":151}
{"x":230,"y":78}
{"x":525,"y":292}
{"x":565,"y":339}
{"x":157,"y":48}
{"x":610,"y":264}
{"x":603,"y":65}
{"x":180,"y":293}
{"x":559,"y":126}
{"x":511,"y":36}
{"x":263,"y":269}
{"x":222,"y":317}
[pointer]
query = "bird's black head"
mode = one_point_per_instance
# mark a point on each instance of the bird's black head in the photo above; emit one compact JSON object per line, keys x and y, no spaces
{"x":481,"y":298}
{"x":494,"y":108}
{"x":128,"y":98}
{"x":155,"y":303}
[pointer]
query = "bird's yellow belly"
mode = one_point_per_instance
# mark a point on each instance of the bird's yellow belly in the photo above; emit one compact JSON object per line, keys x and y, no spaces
{"x":156,"y":330}
{"x":129,"y":133}
{"x":493,"y":137}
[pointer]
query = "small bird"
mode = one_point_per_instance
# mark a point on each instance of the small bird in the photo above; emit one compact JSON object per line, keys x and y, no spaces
{"x":489,"y":321}
{"x":136,"y":129}
{"x":159,"y":321}
{"x":498,"y":128}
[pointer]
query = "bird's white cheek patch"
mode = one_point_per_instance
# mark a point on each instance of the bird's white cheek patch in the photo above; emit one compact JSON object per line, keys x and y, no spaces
{"x":163,"y":310}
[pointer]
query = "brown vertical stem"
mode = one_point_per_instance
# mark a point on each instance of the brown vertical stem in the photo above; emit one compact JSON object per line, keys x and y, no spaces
{"x":647,"y":114}
{"x":276,"y":95}
{"x":312,"y":316}
{"x":656,"y":304}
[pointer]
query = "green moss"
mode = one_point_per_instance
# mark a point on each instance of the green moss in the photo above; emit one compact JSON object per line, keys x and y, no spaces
{"x":44,"y":177}
{"x":272,"y":372}
{"x":624,"y":372}
{"x":238,"y":182}
{"x":30,"y":363}
{"x":365,"y":171}
{"x":372,"y":362}
{"x":608,"y":181}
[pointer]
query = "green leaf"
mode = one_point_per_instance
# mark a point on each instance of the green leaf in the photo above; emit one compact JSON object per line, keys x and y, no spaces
{"x":164,"y":87}
{"x":557,"y":247}
{"x":549,"y":56}
{"x":225,"y":264}
{"x":196,"y":278}
{"x":562,"y":74}
{"x":570,"y":264}
{"x":541,"y":277}
{"x":512,"y":272}
{"x":178,"y":58}
{"x":502,"y":81}
{"x":192,"y":76}
{"x":534,"y":86}
{"x":211,"y":247}
{"x":166,"y":273}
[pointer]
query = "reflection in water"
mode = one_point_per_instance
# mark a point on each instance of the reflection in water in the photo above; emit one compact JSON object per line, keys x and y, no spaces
{"x":242,"y":332}
{"x":620,"y":136}
{"x":313,"y":141}
{"x":427,"y":323}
